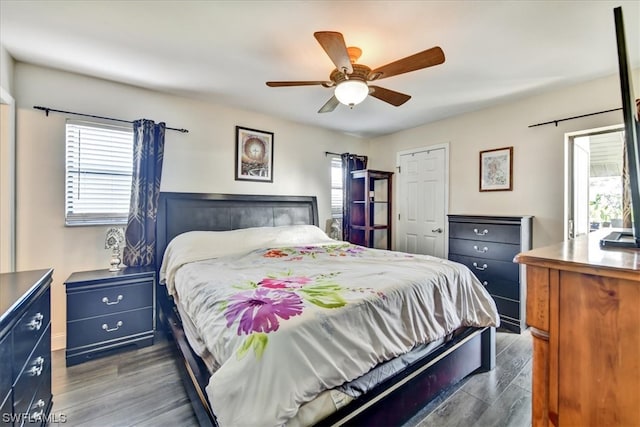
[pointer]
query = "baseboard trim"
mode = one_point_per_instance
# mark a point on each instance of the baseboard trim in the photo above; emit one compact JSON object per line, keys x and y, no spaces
{"x":58,"y":342}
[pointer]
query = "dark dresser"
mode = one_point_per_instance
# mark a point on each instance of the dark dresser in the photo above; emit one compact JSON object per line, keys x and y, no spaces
{"x":25,"y":347}
{"x":488,"y":245}
{"x":109,"y":312}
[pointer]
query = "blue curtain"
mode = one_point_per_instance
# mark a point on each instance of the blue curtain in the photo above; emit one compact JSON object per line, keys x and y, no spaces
{"x":350,"y":162}
{"x":140,"y":234}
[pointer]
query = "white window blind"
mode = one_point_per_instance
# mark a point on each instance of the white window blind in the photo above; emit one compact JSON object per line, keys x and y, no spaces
{"x":336,"y":187}
{"x":99,"y":163}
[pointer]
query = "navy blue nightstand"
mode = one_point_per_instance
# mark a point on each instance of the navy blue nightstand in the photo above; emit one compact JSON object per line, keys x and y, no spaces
{"x":108,"y":312}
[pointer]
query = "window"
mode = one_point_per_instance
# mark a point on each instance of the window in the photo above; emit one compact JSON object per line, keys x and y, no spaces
{"x":336,"y":187}
{"x":99,"y":164}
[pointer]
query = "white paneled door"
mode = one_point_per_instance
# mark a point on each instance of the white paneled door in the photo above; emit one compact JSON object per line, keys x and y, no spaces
{"x":422,"y":196}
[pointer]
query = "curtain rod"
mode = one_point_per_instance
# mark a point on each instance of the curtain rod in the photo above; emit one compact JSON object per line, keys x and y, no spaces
{"x":574,"y":117}
{"x":326,"y":153}
{"x":47,"y":110}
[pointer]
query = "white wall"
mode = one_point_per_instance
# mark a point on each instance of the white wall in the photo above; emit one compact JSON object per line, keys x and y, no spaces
{"x":7,"y":163}
{"x":199,"y":161}
{"x":538,"y":164}
{"x":6,"y":70}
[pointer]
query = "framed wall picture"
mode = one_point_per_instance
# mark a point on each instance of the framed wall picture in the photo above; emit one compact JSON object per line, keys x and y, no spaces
{"x":496,"y":169}
{"x":254,"y":155}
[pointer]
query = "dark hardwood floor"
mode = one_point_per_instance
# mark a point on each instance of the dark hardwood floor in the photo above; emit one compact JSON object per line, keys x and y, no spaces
{"x":501,"y":397}
{"x":143,"y":388}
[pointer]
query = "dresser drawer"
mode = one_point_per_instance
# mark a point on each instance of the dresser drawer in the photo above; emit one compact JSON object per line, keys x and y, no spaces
{"x":507,"y":307}
{"x":489,"y":269}
{"x":30,"y":328}
{"x":37,"y":368}
{"x":109,"y":300}
{"x":484,"y":232}
{"x":41,"y":401}
{"x":503,"y":288}
{"x":5,"y":366}
{"x":6,"y":408}
{"x":478,"y":249}
{"x":109,"y":327}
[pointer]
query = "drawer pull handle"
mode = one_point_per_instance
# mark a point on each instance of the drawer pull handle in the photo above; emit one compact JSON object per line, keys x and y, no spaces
{"x":484,"y":266}
{"x":483,"y":250}
{"x":485,"y":283}
{"x":37,"y":416}
{"x":39,"y":404}
{"x":106,"y":327}
{"x":117,"y":301}
{"x":37,"y":368}
{"x":480,"y":233}
{"x":36,"y":322}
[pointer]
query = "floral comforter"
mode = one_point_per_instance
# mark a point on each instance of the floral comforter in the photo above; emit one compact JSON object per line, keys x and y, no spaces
{"x":286,"y":323}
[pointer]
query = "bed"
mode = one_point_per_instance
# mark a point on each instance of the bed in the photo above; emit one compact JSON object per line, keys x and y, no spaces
{"x":275,"y":238}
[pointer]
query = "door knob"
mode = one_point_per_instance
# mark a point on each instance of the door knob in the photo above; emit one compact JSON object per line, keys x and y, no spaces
{"x":437,"y":230}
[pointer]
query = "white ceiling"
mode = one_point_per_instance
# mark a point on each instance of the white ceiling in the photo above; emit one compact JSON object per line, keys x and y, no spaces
{"x":225,"y":51}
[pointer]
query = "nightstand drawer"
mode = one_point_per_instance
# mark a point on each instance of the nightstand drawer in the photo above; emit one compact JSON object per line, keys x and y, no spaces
{"x":485,"y":232}
{"x":35,"y":371}
{"x":100,"y":329}
{"x":478,"y":249}
{"x":109,"y":300}
{"x":29,"y":329}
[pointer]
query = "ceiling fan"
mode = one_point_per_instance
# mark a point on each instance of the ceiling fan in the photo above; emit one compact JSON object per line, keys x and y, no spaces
{"x":351,"y":80}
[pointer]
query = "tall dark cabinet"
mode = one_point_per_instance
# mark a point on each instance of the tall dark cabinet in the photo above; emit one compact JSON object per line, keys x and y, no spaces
{"x":488,"y":245}
{"x":370,"y":208}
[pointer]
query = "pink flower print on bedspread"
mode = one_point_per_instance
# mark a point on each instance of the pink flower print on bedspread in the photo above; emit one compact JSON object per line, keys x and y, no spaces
{"x":286,"y":282}
{"x":298,"y":253}
{"x":259,"y":310}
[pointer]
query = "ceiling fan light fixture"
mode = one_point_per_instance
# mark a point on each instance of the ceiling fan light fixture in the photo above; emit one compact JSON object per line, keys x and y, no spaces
{"x":351,"y":92}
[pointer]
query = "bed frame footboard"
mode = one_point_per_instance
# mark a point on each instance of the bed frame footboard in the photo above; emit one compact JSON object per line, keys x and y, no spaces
{"x":400,"y":398}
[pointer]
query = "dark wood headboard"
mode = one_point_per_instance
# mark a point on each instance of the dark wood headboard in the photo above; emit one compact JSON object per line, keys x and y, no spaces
{"x":182,"y":212}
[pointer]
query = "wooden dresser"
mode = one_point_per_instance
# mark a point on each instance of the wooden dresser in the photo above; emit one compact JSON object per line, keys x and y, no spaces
{"x":583,"y":307}
{"x":487,"y":245}
{"x":25,"y":347}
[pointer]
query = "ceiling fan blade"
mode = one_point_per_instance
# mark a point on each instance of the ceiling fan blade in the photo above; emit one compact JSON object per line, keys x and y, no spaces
{"x":330,"y":105}
{"x":387,"y":95}
{"x":418,"y":61}
{"x":333,"y":43}
{"x":303,"y":83}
